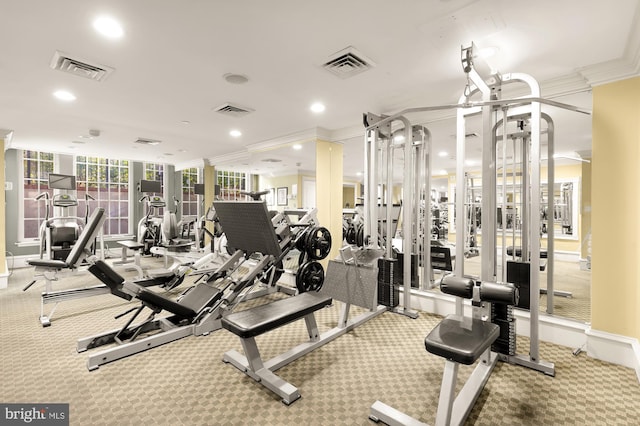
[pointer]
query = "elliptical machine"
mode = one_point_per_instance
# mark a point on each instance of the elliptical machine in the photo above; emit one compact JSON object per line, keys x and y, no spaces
{"x":58,"y":234}
{"x":150,"y":226}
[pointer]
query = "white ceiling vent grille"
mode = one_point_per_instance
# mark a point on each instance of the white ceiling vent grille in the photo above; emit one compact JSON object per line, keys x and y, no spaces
{"x":144,"y":141}
{"x":80,"y":67}
{"x":348,"y":62}
{"x":233,"y":110}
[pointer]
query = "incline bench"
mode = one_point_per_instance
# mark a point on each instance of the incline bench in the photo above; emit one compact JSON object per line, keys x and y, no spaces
{"x":49,"y":268}
{"x":184,"y":313}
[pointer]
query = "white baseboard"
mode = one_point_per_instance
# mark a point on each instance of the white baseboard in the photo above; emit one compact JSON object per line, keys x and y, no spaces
{"x":616,"y":349}
{"x":21,"y":261}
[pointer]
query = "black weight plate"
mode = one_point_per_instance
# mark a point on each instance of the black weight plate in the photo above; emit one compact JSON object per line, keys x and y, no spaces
{"x":310,"y":277}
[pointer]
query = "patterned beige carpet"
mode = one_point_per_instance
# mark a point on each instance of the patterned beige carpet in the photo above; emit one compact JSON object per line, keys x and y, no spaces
{"x":186,"y":382}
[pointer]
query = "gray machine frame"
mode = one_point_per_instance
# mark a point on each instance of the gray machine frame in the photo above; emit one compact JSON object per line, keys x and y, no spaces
{"x":488,"y":85}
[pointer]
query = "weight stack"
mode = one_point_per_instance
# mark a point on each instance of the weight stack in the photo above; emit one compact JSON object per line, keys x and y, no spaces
{"x":388,"y":290}
{"x":414,"y":270}
{"x":502,"y":315}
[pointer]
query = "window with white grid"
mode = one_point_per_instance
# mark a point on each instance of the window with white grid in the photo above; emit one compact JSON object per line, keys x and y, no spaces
{"x":189,"y":197}
{"x":36,"y":167}
{"x":231,"y":183}
{"x":107,"y":182}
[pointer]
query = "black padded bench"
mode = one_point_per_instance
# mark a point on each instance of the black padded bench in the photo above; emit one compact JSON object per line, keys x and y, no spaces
{"x":255,"y":321}
{"x":263,"y":318}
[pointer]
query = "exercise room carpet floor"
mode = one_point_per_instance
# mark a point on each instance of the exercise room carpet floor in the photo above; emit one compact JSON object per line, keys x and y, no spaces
{"x":186,"y":382}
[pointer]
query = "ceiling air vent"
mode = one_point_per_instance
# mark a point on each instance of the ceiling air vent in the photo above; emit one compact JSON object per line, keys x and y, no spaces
{"x":348,"y":62}
{"x":144,"y":141}
{"x":233,"y":110}
{"x":80,"y":67}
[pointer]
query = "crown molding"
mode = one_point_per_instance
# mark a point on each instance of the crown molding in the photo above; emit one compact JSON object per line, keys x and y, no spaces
{"x":228,"y":158}
{"x":298,"y":137}
{"x":197,"y":162}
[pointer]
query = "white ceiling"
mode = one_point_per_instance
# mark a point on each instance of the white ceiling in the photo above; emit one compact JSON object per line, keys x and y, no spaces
{"x":169,"y":68}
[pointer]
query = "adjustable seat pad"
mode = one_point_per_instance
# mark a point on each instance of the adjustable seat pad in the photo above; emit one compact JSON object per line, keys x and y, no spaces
{"x":461,"y":339}
{"x":164,"y":303}
{"x":258,"y":320}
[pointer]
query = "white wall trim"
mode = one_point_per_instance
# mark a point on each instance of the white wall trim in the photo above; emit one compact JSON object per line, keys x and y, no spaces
{"x":613,"y":348}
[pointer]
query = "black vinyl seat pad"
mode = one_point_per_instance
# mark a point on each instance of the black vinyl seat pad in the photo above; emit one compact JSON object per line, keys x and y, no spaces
{"x":258,"y":320}
{"x":461,"y":339}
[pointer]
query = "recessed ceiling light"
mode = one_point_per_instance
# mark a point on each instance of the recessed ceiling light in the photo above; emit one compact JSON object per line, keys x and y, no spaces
{"x":297,"y":147}
{"x":317,"y":107}
{"x":235,"y":78}
{"x":443,"y":153}
{"x":185,"y":122}
{"x":182,"y":150}
{"x":63,"y":95}
{"x":235,"y":133}
{"x":108,"y":27}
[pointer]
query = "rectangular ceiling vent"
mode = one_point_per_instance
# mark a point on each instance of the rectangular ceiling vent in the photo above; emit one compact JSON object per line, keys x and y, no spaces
{"x":79,"y":67}
{"x":145,"y":141}
{"x":233,"y":110}
{"x":347,"y":63}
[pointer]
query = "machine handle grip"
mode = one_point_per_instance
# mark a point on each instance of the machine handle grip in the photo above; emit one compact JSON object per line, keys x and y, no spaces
{"x":44,"y":195}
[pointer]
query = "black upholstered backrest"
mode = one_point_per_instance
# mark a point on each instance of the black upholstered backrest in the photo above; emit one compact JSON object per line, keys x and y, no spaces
{"x":248,"y":226}
{"x":82,"y":247}
{"x":111,"y":278}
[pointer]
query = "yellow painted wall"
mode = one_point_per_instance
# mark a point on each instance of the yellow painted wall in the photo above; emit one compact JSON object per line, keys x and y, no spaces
{"x":329,"y":184}
{"x":276,"y":182}
{"x":585,"y":210}
{"x":348,"y":196}
{"x":615,"y":195}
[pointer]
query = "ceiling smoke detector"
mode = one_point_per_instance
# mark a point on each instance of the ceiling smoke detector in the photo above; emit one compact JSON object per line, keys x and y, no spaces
{"x":233,"y":110}
{"x":144,"y":141}
{"x":348,"y":62}
{"x":79,"y":67}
